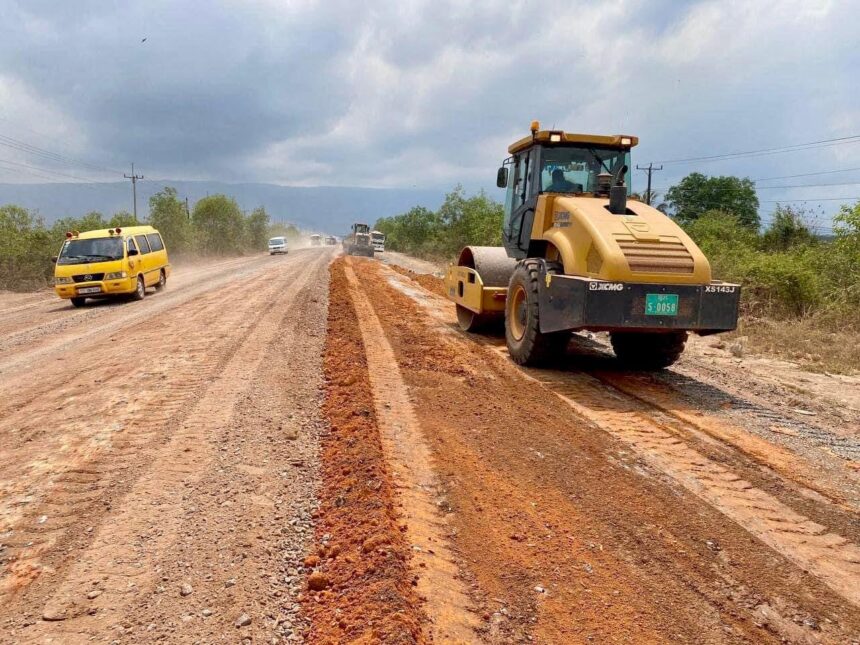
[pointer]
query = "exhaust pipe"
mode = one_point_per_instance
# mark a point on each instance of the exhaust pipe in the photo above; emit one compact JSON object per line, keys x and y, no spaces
{"x":618,"y":194}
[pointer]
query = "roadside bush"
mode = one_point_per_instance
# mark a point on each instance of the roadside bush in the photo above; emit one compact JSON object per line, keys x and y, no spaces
{"x":217,"y":226}
{"x":25,"y":249}
{"x":461,"y":220}
{"x":786,"y":271}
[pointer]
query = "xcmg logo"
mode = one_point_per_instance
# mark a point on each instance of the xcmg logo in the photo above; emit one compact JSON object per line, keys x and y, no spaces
{"x":605,"y":286}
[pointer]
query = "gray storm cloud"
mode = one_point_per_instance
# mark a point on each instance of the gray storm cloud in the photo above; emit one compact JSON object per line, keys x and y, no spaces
{"x":410,"y":93}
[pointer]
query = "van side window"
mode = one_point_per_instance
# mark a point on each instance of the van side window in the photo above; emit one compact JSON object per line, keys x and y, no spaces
{"x":155,"y":242}
{"x":131,"y":244}
{"x":142,"y":243}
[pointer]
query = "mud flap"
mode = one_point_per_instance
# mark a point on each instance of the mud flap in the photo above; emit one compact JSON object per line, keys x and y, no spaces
{"x":571,"y":303}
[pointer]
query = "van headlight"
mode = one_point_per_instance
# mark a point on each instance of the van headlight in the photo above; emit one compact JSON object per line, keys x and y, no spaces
{"x":63,"y":281}
{"x":117,"y":275}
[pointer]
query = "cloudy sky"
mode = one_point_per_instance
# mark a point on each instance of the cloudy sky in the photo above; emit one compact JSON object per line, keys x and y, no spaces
{"x":424,"y":94}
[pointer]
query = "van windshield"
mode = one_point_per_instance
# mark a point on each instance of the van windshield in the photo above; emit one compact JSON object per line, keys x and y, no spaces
{"x":99,"y":249}
{"x":276,"y":240}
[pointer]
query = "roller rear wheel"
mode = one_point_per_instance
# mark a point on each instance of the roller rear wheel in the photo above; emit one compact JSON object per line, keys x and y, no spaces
{"x":648,"y":351}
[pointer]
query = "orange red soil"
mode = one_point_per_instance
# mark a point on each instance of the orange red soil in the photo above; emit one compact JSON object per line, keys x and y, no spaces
{"x":361,"y":589}
{"x":569,"y":535}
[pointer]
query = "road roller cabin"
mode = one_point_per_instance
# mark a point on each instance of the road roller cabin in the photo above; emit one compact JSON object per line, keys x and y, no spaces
{"x":579,"y":253}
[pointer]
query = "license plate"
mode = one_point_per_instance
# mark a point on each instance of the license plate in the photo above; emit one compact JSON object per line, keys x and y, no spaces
{"x":90,"y":290}
{"x":661,"y":304}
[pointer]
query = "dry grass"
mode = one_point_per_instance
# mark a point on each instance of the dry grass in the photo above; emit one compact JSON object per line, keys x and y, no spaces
{"x":803,"y":341}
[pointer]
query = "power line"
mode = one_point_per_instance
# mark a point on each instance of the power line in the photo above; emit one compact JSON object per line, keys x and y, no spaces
{"x":732,"y":188}
{"x":823,"y":143}
{"x":23,"y":146}
{"x":47,"y":170}
{"x":808,"y":174}
{"x":821,"y":199}
{"x":52,"y":179}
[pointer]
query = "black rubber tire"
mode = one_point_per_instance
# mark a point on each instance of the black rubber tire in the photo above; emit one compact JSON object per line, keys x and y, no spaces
{"x":79,"y":302}
{"x":140,"y":291}
{"x":533,"y":347}
{"x":162,"y":281}
{"x":648,"y":350}
{"x":476,"y":323}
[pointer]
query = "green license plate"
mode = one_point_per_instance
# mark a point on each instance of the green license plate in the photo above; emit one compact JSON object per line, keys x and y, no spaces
{"x":661,"y":304}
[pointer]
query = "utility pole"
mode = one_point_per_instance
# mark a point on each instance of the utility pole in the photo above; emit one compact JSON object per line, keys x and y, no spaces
{"x":134,"y":179}
{"x":649,"y":169}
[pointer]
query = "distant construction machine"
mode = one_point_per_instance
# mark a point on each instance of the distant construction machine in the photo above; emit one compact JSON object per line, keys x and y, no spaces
{"x":579,"y":254}
{"x":358,"y":241}
{"x":331,"y":240}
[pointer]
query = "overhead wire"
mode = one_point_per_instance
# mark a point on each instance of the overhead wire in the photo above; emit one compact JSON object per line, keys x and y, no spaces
{"x":807,"y":174}
{"x":27,"y":148}
{"x":823,"y":143}
{"x":49,"y":171}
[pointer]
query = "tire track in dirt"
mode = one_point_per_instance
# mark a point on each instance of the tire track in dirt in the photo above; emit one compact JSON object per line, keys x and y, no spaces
{"x":34,"y":491}
{"x":835,"y":488}
{"x":20,"y":325}
{"x":827,"y":555}
{"x":734,"y":574}
{"x":70,"y":328}
{"x":417,"y":487}
{"x":131,"y":541}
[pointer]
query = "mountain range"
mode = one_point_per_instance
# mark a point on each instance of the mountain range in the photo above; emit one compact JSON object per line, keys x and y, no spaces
{"x":319,"y":208}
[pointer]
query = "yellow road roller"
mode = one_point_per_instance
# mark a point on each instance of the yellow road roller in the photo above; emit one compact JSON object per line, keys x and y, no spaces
{"x":580,"y":254}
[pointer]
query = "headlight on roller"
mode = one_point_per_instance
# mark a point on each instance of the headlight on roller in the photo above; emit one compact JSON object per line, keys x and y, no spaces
{"x":116,"y":275}
{"x":63,"y":281}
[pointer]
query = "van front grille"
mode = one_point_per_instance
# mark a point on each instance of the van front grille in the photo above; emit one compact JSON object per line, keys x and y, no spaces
{"x":669,"y":255}
{"x":88,"y":277}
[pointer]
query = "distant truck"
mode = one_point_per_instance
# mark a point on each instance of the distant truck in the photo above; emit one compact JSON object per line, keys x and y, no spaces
{"x":377,"y":239}
{"x":358,"y":241}
{"x":316,"y":240}
{"x":331,"y":240}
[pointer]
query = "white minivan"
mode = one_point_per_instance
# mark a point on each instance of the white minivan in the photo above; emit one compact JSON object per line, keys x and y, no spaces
{"x":278,"y":245}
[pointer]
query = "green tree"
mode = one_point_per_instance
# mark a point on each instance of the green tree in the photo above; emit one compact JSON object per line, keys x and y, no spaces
{"x":257,"y":229}
{"x":123,"y":218}
{"x":167,"y":214}
{"x":787,"y":230}
{"x":846,"y":226}
{"x":697,"y":194}
{"x":26,"y":247}
{"x":219,"y":225}
{"x":288,"y":231}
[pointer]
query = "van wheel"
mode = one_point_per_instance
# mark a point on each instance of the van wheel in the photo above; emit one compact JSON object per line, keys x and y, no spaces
{"x":79,"y":302}
{"x":162,"y":281}
{"x":140,"y":290}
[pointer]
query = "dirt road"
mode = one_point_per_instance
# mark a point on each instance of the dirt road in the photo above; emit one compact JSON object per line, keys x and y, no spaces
{"x":284,"y":449}
{"x":584,"y":503}
{"x":158,"y":462}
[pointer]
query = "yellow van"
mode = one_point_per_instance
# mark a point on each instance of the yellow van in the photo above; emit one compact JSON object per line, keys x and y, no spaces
{"x":110,"y":262}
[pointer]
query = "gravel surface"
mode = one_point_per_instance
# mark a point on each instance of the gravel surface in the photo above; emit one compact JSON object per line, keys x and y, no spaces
{"x":158,"y":478}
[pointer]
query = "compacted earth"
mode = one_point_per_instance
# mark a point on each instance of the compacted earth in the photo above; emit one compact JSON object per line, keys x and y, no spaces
{"x":308,"y":449}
